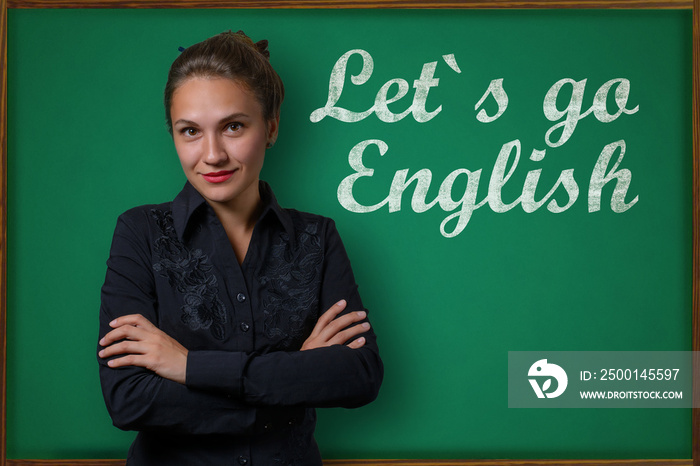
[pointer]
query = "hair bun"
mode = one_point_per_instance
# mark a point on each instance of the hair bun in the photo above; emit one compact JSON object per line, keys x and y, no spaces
{"x":261,"y":45}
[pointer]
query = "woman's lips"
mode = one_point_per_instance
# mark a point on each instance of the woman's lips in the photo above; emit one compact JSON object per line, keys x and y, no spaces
{"x":218,"y":177}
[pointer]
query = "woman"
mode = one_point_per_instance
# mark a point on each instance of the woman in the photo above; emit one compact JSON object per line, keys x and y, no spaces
{"x":214,"y":343}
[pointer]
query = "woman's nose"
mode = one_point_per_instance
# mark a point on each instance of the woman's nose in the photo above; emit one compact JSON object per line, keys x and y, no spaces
{"x":214,"y":151}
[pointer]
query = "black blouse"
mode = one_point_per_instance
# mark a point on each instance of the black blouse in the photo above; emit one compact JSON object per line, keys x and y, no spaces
{"x":249,"y":392}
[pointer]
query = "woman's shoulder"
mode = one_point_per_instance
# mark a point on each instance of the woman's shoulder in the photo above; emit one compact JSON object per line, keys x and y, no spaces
{"x":301,"y":216}
{"x":301,"y":219}
{"x":307,"y":225}
{"x":145,"y":213}
{"x":145,"y":219}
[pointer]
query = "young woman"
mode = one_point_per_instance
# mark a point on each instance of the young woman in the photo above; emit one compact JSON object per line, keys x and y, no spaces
{"x":226,"y":319}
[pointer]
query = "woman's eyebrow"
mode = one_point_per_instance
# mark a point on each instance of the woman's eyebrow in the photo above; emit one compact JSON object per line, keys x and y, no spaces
{"x":186,"y":122}
{"x":232,"y":116}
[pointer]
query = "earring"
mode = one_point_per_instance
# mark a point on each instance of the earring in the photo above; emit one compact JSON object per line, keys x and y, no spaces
{"x":270,"y":144}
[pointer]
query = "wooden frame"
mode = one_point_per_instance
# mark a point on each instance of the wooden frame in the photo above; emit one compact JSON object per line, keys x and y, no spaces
{"x":603,"y":4}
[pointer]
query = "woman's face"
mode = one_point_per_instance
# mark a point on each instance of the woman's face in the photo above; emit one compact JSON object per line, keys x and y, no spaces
{"x":220,"y":136}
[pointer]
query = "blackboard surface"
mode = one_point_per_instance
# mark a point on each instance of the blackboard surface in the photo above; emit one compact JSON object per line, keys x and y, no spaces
{"x":86,"y":136}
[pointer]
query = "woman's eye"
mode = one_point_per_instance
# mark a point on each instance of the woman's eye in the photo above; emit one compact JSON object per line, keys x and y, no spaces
{"x":189,"y":131}
{"x":234,"y":127}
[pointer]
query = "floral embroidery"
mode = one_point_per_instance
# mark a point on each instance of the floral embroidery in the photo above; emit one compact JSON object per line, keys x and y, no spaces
{"x":291,"y":280}
{"x":189,"y":272}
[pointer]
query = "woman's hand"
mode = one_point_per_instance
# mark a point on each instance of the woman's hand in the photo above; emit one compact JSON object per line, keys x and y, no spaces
{"x":144,"y":345}
{"x":330,"y":330}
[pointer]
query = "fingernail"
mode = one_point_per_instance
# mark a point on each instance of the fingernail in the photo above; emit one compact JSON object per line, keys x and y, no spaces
{"x":101,"y":353}
{"x":341,"y":303}
{"x":361,"y":314}
{"x":365,"y":325}
{"x":113,"y":323}
{"x":110,"y":363}
{"x":361,"y":340}
{"x":102,"y":342}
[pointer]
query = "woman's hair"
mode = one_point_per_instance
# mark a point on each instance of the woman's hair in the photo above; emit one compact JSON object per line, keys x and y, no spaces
{"x":234,"y":56}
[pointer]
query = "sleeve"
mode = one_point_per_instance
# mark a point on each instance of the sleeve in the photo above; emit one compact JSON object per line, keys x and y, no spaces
{"x":335,"y":376}
{"x":139,"y":399}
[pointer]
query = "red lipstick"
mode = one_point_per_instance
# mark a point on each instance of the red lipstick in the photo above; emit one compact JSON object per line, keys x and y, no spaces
{"x":218,"y":177}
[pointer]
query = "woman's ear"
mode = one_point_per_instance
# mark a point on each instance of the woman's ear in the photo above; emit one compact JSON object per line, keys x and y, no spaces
{"x":273,"y":126}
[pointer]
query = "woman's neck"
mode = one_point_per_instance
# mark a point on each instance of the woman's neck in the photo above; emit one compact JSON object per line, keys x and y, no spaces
{"x":238,"y":218}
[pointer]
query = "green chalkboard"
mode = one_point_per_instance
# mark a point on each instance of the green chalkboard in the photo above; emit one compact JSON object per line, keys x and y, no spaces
{"x":86,"y":135}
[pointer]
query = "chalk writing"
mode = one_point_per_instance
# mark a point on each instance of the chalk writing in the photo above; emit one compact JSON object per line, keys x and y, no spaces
{"x":566,"y":187}
{"x":561,"y":196}
{"x":572,"y":112}
{"x":496,"y":90}
{"x":421,"y":85}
